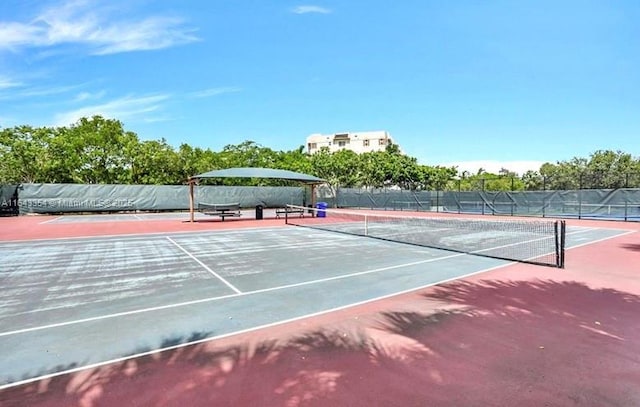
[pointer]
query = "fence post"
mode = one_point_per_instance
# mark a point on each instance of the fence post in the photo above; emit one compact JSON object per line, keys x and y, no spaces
{"x":458,"y":197}
{"x":626,"y":204}
{"x":482,"y":195}
{"x":580,"y":197}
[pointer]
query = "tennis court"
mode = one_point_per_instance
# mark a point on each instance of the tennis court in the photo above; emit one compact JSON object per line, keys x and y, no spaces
{"x":77,"y":302}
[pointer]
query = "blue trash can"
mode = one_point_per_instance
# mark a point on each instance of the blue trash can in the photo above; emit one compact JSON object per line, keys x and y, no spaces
{"x":321,"y":206}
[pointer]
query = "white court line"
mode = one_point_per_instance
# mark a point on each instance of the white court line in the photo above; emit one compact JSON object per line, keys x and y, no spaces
{"x":566,"y":248}
{"x":256,"y":328}
{"x":584,"y":230}
{"x":50,"y":220}
{"x":210,"y":299}
{"x":138,"y":236}
{"x":511,"y":244}
{"x":135,"y":215}
{"x":531,"y":241}
{"x":239,"y":294}
{"x":216,"y":275}
{"x":602,"y":239}
{"x":143,"y":354}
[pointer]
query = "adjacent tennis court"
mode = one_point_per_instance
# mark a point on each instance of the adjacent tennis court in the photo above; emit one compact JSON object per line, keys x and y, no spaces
{"x":77,"y":302}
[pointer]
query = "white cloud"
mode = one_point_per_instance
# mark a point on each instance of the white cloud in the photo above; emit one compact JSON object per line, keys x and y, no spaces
{"x":310,"y":9}
{"x":151,"y":33}
{"x":126,"y":108}
{"x":6,"y":83}
{"x":28,"y":92}
{"x":158,"y":119}
{"x":13,"y":35}
{"x":214,"y":92}
{"x":472,"y":167}
{"x":85,"y":22}
{"x":84,"y":96}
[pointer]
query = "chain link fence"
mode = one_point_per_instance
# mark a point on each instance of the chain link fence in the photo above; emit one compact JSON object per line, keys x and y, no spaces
{"x":613,"y":204}
{"x":560,"y":182}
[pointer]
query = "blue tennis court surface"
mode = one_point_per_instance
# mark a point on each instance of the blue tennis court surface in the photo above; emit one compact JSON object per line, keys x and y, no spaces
{"x":69,"y":303}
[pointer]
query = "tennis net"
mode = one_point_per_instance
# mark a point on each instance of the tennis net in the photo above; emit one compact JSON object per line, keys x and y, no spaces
{"x":535,"y":241}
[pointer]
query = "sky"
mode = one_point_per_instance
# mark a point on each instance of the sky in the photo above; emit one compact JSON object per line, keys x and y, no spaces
{"x":470,"y":83}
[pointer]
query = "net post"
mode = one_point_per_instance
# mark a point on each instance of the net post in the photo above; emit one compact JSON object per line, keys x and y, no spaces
{"x":366,"y":225}
{"x":560,"y":232}
{"x":556,"y":232}
{"x":562,"y":245}
{"x":286,"y":215}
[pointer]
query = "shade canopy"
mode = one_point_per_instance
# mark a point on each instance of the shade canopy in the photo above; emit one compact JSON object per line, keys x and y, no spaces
{"x":250,"y":172}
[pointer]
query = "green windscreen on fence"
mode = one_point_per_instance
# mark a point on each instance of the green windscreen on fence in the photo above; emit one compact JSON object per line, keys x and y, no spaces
{"x":66,"y":198}
{"x":9,"y":200}
{"x":611,"y":204}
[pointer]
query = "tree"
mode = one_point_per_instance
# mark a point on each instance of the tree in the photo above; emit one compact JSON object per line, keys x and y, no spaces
{"x":533,"y":181}
{"x":24,"y":154}
{"x":248,"y":154}
{"x":435,"y":178}
{"x":401,"y":171}
{"x":294,"y":160}
{"x":563,"y":175}
{"x":156,"y":162}
{"x":96,"y":148}
{"x":193,"y":161}
{"x":609,"y":169}
{"x":339,"y":169}
{"x":99,"y":150}
{"x":372,"y":169}
{"x":603,"y":169}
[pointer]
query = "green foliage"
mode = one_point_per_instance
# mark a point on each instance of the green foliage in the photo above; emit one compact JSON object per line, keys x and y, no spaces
{"x":603,"y":169}
{"x":99,"y":150}
{"x":484,"y":181}
{"x":24,"y":154}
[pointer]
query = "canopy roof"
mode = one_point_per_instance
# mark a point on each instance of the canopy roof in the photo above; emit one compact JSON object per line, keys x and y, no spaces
{"x":249,"y":172}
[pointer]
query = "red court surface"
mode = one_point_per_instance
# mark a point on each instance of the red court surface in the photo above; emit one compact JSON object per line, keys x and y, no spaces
{"x":519,"y":335}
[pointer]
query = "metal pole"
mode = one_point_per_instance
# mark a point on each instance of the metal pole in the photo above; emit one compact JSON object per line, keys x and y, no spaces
{"x":191,"y":182}
{"x":458,"y":197}
{"x":626,"y":211}
{"x":366,"y":225}
{"x":580,"y":198}
{"x":482,"y":196}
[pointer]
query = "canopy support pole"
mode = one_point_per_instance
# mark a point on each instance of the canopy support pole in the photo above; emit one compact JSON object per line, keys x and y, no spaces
{"x":191,"y":183}
{"x":313,"y":195}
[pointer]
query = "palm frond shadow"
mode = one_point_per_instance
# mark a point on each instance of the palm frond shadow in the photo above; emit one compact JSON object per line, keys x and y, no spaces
{"x":403,"y":357}
{"x":634,"y":247}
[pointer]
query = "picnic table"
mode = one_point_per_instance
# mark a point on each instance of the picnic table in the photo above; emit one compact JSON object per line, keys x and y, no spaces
{"x":222,"y":210}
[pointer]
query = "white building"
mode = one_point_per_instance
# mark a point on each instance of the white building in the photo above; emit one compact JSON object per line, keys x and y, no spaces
{"x":359,"y":142}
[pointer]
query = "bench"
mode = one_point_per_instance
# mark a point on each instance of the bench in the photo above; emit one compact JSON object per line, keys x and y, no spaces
{"x":286,"y":211}
{"x":220,"y":210}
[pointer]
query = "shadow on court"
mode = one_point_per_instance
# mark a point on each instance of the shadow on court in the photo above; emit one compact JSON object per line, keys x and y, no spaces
{"x":505,"y":343}
{"x":631,"y":246}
